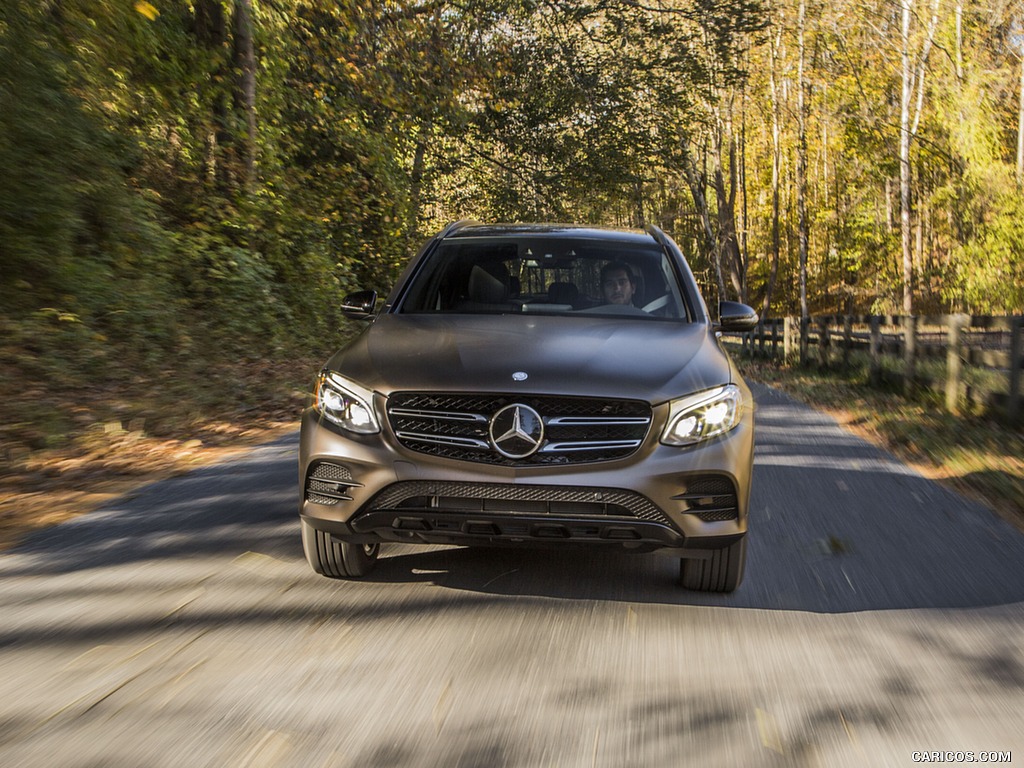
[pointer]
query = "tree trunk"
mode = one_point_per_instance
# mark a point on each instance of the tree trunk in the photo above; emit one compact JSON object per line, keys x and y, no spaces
{"x":744,"y":213}
{"x":244,"y":60}
{"x":695,"y":181}
{"x":210,"y":31}
{"x":1020,"y":124}
{"x":639,"y":219}
{"x":959,"y":58}
{"x":416,"y":181}
{"x":906,"y":94}
{"x":776,"y":176}
{"x":912,"y":76}
{"x":725,"y":195}
{"x":801,"y":161}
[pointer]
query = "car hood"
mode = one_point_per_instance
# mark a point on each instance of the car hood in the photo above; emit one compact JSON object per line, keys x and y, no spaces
{"x":598,"y":357}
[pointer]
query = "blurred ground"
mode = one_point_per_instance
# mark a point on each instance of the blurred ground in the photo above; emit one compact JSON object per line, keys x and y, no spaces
{"x":67,"y":448}
{"x":49,"y":487}
{"x":977,"y":453}
{"x":880,"y":616}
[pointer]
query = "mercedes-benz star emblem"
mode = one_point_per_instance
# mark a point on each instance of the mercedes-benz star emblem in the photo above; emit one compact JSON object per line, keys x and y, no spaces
{"x":517,"y":431}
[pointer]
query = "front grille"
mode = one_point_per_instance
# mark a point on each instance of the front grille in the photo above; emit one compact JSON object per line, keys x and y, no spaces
{"x":577,"y":430}
{"x":712,"y":498}
{"x":502,"y":498}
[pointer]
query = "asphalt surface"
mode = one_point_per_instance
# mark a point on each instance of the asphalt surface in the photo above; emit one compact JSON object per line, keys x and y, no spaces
{"x":881,"y":616}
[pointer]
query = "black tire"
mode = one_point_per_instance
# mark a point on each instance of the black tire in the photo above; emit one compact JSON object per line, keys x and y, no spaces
{"x":337,"y":559}
{"x":722,"y":572}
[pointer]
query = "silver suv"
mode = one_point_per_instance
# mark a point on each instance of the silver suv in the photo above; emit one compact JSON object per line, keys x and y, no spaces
{"x":533,"y":385}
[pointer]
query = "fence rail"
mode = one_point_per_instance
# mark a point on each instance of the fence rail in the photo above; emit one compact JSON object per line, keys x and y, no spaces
{"x":946,"y":345}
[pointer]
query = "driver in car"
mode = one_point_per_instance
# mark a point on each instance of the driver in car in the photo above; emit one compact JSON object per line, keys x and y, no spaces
{"x":618,"y":283}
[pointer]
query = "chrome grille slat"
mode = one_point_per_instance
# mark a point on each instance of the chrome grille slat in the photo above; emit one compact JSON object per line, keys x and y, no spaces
{"x":465,"y":442}
{"x":597,"y":421}
{"x":442,"y":415}
{"x":577,"y":429}
{"x":581,"y":446}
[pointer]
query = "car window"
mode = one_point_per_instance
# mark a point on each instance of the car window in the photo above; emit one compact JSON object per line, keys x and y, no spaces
{"x":557,"y":276}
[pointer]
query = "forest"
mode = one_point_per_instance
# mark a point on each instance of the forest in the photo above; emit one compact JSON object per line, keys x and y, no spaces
{"x":188,"y":178}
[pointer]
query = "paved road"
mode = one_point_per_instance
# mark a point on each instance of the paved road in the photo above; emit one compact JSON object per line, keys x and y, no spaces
{"x":881,"y":615}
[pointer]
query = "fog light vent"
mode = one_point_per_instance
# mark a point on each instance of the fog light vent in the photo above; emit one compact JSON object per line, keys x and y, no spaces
{"x":710,"y":498}
{"x":329,"y":484}
{"x":325,"y":470}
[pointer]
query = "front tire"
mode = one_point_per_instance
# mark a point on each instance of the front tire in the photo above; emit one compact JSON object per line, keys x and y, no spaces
{"x":722,"y":572}
{"x":337,"y":559}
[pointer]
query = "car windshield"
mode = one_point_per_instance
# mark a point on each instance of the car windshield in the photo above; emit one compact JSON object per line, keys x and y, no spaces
{"x":563,"y":276}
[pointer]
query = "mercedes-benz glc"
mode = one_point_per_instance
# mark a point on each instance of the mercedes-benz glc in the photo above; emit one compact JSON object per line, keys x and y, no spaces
{"x":534,"y":385}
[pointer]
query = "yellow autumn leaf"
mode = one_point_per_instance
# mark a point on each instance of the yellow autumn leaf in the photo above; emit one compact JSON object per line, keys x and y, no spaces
{"x":147,"y":10}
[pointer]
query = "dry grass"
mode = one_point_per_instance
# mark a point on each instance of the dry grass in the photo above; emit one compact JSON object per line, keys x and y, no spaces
{"x":104,"y":442}
{"x":979,"y":455}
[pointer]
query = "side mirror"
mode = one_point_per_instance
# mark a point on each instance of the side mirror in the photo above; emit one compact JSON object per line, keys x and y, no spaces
{"x":734,"y":317}
{"x":360,"y":305}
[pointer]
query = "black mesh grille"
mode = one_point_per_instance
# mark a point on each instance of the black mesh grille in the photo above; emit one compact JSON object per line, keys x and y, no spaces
{"x":517,"y":498}
{"x":712,"y":498}
{"x":328,"y":483}
{"x":327,"y":471}
{"x":577,"y":430}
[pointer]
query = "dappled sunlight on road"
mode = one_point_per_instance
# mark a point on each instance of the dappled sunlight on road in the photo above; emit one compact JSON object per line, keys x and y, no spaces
{"x":183,"y":625}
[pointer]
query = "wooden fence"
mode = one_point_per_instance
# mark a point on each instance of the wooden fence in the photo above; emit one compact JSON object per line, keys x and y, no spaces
{"x":948,"y":343}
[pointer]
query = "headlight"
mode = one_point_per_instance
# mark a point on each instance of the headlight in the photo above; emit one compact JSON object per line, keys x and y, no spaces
{"x":346,"y":404}
{"x":703,"y":415}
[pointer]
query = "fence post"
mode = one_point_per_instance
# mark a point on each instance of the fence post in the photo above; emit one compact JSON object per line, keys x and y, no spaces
{"x":824,"y":342}
{"x":909,"y":354}
{"x":805,"y":339}
{"x":954,"y":367}
{"x":1016,"y":363}
{"x":875,"y":349}
{"x":847,"y":340}
{"x":787,"y":338}
{"x":775,"y":337}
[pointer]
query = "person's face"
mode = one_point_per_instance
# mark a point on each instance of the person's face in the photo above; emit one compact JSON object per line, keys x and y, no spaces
{"x":618,"y":289}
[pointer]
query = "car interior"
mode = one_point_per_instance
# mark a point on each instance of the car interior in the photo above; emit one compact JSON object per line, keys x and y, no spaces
{"x":563,"y":277}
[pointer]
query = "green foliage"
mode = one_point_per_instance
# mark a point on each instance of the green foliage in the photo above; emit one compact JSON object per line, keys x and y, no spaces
{"x":136,"y":231}
{"x":56,"y":181}
{"x":74,"y":236}
{"x":988,"y":268}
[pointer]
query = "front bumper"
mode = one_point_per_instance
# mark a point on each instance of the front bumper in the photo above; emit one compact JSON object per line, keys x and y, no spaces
{"x":661,"y":497}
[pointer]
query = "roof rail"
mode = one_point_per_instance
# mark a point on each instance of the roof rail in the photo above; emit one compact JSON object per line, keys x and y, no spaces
{"x":455,"y":226}
{"x":657,"y":234}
